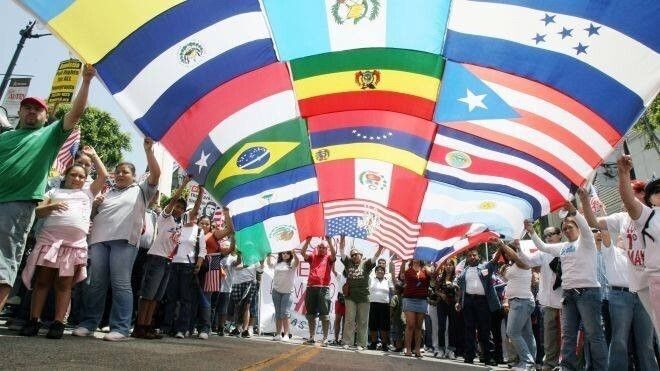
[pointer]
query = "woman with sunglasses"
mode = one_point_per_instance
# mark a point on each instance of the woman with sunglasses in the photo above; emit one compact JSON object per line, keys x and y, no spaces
{"x":283,"y":277}
{"x":581,"y":295}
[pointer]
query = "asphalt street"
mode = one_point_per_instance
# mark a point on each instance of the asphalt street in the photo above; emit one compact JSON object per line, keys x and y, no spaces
{"x":223,"y":353}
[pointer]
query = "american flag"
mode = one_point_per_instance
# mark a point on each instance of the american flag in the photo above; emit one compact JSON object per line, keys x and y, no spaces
{"x":213,"y":276}
{"x":370,"y":221}
{"x":67,"y":152}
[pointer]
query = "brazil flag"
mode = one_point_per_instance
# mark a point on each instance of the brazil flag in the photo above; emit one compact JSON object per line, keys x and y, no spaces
{"x":279,"y":148}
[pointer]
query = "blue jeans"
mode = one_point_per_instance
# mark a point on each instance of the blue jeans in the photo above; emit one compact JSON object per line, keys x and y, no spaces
{"x":180,"y":289}
{"x":627,"y":312}
{"x":582,"y":304}
{"x":111,"y":263}
{"x":282,"y":303}
{"x":519,"y":330}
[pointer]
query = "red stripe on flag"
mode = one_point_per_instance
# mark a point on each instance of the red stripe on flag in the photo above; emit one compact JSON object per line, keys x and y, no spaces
{"x":407,"y":192}
{"x":308,"y":221}
{"x":65,"y":157}
{"x":182,"y":139}
{"x":521,"y":145}
{"x":548,"y":94}
{"x":381,"y":119}
{"x":336,"y":180}
{"x":370,"y":100}
{"x":441,"y":232}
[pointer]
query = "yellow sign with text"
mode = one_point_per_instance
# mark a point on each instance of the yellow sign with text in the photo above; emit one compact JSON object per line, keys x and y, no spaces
{"x":65,"y":82}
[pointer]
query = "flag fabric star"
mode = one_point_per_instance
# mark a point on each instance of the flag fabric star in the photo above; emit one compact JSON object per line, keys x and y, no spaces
{"x":593,"y":30}
{"x":203,"y":161}
{"x":548,"y":19}
{"x":581,"y":49}
{"x":539,"y":38}
{"x":565,"y":32}
{"x":473,"y":101}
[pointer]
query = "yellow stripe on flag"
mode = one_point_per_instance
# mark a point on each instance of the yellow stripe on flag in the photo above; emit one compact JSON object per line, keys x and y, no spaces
{"x":390,"y":80}
{"x":374,"y":151}
{"x":271,"y":152}
{"x":93,"y":28}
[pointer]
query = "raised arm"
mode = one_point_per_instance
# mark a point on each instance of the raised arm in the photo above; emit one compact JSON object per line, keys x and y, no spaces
{"x":305,"y":247}
{"x":177,"y":194}
{"x":552,"y":249}
{"x":633,"y":206}
{"x":295,"y":262}
{"x":101,"y":172}
{"x":586,"y":208}
{"x":154,"y":168}
{"x":228,"y":222}
{"x":80,"y":101}
{"x":510,"y":253}
{"x":374,"y":258}
{"x":333,"y":252}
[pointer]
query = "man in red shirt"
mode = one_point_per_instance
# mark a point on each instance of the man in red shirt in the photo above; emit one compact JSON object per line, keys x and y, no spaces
{"x":317,"y":296}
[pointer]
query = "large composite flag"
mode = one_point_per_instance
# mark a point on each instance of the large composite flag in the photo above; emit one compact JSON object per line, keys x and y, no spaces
{"x":426,"y":126}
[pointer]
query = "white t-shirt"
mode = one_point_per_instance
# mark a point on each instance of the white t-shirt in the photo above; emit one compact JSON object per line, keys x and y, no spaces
{"x":283,"y":276}
{"x":652,"y":251}
{"x":629,"y":239}
{"x":169,"y":234}
{"x":246,"y":274}
{"x":578,"y":258}
{"x":519,"y":283}
{"x":227,"y":265}
{"x":379,"y":290}
{"x":473,"y":285}
{"x":186,"y":251}
{"x":617,"y":266}
{"x":547,"y":296}
{"x":79,"y":202}
{"x":121,"y":214}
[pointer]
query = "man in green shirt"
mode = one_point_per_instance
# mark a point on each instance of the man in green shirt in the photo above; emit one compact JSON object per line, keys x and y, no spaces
{"x":357,"y":299}
{"x":26,"y":156}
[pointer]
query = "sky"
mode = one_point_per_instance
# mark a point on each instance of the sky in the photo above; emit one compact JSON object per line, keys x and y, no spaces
{"x":40,"y":58}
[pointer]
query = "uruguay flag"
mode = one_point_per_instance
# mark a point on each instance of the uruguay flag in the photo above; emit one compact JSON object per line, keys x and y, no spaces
{"x":275,"y":195}
{"x":604,"y":54}
{"x":302,"y":27}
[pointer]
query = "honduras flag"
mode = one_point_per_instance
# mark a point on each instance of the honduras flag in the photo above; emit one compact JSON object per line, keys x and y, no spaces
{"x":603,"y":53}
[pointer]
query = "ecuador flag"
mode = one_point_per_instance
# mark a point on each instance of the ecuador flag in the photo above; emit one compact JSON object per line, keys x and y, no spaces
{"x":279,"y":148}
{"x":396,"y":80}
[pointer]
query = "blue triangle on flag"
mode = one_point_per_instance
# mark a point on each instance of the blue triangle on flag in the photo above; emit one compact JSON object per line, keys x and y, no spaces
{"x":465,"y":97}
{"x":202,"y":160}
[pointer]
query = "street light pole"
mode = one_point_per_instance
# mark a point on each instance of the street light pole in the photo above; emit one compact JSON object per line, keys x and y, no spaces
{"x":25,"y":33}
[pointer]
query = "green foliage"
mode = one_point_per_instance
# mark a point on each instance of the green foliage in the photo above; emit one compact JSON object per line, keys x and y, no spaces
{"x":649,"y":126}
{"x":164,"y":200}
{"x":101,"y":131}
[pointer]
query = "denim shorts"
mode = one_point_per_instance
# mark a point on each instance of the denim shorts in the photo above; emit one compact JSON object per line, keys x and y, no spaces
{"x":317,"y":302}
{"x":282,"y":303}
{"x":155,"y":278}
{"x":415,"y":305}
{"x":16,"y":219}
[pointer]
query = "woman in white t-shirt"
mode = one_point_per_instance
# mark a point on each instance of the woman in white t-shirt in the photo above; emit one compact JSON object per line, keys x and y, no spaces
{"x":581,"y":290}
{"x":59,"y":257}
{"x":647,"y":220}
{"x":519,"y":302}
{"x":283,"y":277}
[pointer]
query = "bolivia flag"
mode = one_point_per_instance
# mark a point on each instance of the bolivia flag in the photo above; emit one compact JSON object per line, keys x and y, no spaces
{"x":380,"y":135}
{"x":392,"y":186}
{"x":380,"y":79}
{"x":270,"y":151}
{"x":280,"y":233}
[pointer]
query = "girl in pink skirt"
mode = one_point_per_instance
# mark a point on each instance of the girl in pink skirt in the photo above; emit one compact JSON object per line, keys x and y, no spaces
{"x":59,"y":257}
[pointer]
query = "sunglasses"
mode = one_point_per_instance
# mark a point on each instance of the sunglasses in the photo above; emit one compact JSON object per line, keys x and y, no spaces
{"x":546,"y":235}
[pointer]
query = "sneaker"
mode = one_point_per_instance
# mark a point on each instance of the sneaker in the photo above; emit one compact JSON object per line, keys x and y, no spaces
{"x":285,"y":339}
{"x":359,"y":348}
{"x":346,"y":347}
{"x":31,"y":328}
{"x":246,"y":334}
{"x":221,"y":332}
{"x":180,"y":335}
{"x":139,"y":332}
{"x":56,"y":330}
{"x":324,"y":343}
{"x":309,"y":342}
{"x":235,"y":332}
{"x":203,"y":336}
{"x":115,"y":336}
{"x":81,"y":331}
{"x":372,"y":346}
{"x":450,"y":355}
{"x":277,"y":337}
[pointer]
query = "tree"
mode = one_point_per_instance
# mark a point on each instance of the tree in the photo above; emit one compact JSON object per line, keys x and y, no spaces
{"x":101,"y":131}
{"x":649,"y":125}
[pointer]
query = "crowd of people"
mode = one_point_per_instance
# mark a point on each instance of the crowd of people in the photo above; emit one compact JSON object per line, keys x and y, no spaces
{"x":587,"y":296}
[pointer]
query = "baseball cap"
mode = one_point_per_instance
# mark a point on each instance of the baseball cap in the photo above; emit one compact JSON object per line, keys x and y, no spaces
{"x":36,"y":101}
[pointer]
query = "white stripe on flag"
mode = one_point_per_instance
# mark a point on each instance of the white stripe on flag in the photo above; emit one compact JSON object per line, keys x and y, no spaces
{"x":165,"y":70}
{"x":365,"y":33}
{"x":538,"y":139}
{"x":471,"y":149}
{"x":285,"y":193}
{"x":258,"y":116}
{"x":606,"y":53}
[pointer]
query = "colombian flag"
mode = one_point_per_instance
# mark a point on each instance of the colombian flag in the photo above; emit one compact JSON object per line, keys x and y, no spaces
{"x":396,"y":80}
